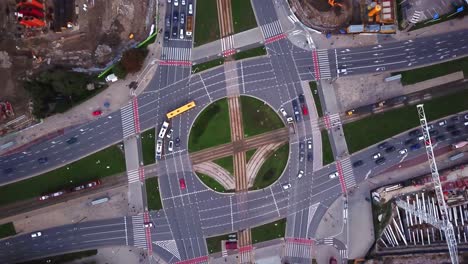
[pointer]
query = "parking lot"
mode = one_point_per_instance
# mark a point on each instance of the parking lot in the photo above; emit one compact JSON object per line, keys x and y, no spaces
{"x":415,"y":11}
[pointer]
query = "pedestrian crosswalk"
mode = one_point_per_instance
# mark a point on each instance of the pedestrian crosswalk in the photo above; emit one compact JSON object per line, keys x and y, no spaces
{"x":128,"y":120}
{"x":170,"y":246}
{"x":139,"y":233}
{"x":298,"y":250}
{"x":293,"y":19}
{"x":347,"y":171}
{"x":417,"y":17}
{"x":175,"y":54}
{"x":272,"y":29}
{"x":133,"y":175}
{"x":227,"y":46}
{"x":332,"y":121}
{"x":328,"y":241}
{"x":343,"y":254}
{"x":324,"y":64}
{"x":224,"y":253}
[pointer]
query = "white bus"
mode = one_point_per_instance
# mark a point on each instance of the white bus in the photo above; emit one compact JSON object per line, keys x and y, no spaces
{"x":163,"y":130}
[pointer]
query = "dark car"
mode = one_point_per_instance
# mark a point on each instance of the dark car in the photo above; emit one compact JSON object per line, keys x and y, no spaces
{"x":451,"y":127}
{"x":415,"y":147}
{"x":415,"y":133}
{"x":455,"y":118}
{"x":175,"y":15}
{"x":72,"y":140}
{"x":310,"y":157}
{"x":168,"y":22}
{"x":455,"y":133}
{"x":295,"y":105}
{"x":7,"y":170}
{"x":301,"y":145}
{"x":433,"y":132}
{"x":409,"y":141}
{"x":358,"y":163}
{"x":441,"y":138}
{"x":383,"y":145}
{"x":301,"y":156}
{"x":301,"y":99}
{"x":177,"y":142}
{"x":167,"y":34}
{"x":42,"y":160}
{"x":380,"y":161}
{"x":174,"y":31}
{"x":390,"y":149}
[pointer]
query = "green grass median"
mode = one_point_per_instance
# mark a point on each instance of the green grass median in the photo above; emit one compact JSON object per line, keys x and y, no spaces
{"x":148,"y":146}
{"x":152,"y":194}
{"x":249,"y":154}
{"x":327,"y":152}
{"x":211,"y":127}
{"x":104,"y":163}
{"x":433,"y":71}
{"x":255,"y":52}
{"x":378,"y":127}
{"x":269,"y":231}
{"x":7,"y":230}
{"x":272,"y":168}
{"x":211,"y":183}
{"x":242,"y":15}
{"x":258,"y":117}
{"x":226,"y":163}
{"x":207,"y":65}
{"x":318,"y":104}
{"x":214,"y":243}
{"x":206,"y":22}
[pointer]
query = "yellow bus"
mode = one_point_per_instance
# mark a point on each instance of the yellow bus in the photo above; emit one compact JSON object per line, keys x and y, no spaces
{"x":181,"y":110}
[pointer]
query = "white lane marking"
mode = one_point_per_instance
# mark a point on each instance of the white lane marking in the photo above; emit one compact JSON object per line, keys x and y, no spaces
{"x":274,"y":199}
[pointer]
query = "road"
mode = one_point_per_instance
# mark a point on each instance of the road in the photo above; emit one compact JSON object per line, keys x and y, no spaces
{"x":194,"y":213}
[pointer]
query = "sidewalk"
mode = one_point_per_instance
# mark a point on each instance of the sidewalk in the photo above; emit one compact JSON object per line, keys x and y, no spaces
{"x":117,"y":94}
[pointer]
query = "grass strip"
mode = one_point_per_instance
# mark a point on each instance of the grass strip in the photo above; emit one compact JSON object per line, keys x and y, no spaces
{"x":152,"y":194}
{"x":211,"y":183}
{"x":326,"y":149}
{"x":255,"y":52}
{"x":384,"y":125}
{"x":226,"y":163}
{"x":211,"y":127}
{"x":249,"y":154}
{"x":206,"y":22}
{"x":214,"y":243}
{"x":207,"y":65}
{"x":433,"y":71}
{"x":318,"y":104}
{"x":107,"y":162}
{"x":148,"y":146}
{"x":258,"y":117}
{"x":269,"y":231}
{"x":272,"y":168}
{"x":242,"y":15}
{"x":7,"y":229}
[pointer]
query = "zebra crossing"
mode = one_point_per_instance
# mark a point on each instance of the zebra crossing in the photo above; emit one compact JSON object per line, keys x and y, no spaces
{"x":417,"y":17}
{"x":343,"y":254}
{"x":224,"y":253}
{"x":298,"y":250}
{"x":170,"y":246}
{"x":332,"y":121}
{"x":328,"y":241}
{"x":227,"y":46}
{"x":133,"y":175}
{"x":272,"y":31}
{"x":323,"y":64}
{"x":128,"y":120}
{"x":346,"y":169}
{"x":139,"y":233}
{"x":176,"y":54}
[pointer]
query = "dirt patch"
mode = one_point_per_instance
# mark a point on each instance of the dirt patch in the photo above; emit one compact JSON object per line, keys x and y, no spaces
{"x":321,"y":15}
{"x":99,"y":32}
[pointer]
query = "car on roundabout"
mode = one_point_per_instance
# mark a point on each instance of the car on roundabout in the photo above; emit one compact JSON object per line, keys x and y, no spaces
{"x":286,"y":186}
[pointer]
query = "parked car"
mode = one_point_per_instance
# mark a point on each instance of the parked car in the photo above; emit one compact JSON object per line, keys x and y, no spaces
{"x":97,"y":113}
{"x":301,"y":99}
{"x":358,"y":163}
{"x":305,"y":111}
{"x":286,"y":186}
{"x":300,"y":174}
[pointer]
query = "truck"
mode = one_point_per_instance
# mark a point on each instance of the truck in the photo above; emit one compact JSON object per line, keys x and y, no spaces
{"x":460,"y":144}
{"x":188,"y":31}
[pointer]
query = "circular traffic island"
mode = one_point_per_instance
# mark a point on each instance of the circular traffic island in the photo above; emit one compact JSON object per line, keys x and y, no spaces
{"x":248,"y":126}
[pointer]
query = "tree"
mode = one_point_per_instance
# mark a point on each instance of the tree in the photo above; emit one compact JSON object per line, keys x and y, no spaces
{"x":132,"y":59}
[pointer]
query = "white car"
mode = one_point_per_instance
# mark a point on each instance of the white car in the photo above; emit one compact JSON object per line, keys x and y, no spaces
{"x":283,"y":112}
{"x":148,"y":224}
{"x":176,"y":2}
{"x":309,"y":144}
{"x":333,"y":175}
{"x":300,"y":174}
{"x":183,"y":2}
{"x":170,"y":147}
{"x":341,"y":71}
{"x":403,"y":151}
{"x":420,"y":138}
{"x":286,"y":186}
{"x":169,"y":134}
{"x":442,"y":123}
{"x":376,"y":155}
{"x":289,"y":119}
{"x":37,"y":234}
{"x":159,"y":145}
{"x":190,"y":9}
{"x":181,"y":36}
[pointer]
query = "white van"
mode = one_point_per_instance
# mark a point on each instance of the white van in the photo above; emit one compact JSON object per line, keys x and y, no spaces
{"x":111,"y":78}
{"x":181,"y":35}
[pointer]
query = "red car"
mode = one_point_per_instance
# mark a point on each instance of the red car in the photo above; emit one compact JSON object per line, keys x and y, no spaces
{"x":182,"y":184}
{"x":97,"y":113}
{"x":305,"y":111}
{"x":93,"y":184}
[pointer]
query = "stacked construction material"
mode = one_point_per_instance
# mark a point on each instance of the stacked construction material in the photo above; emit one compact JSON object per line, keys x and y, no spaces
{"x":30,"y":13}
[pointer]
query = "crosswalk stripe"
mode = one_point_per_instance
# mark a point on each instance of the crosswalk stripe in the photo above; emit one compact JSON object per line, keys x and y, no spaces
{"x":133,"y":176}
{"x":176,"y":54}
{"x":272,"y":29}
{"x":139,"y":233}
{"x":170,"y":246}
{"x":324,"y":64}
{"x":298,"y":250}
{"x":128,"y":122}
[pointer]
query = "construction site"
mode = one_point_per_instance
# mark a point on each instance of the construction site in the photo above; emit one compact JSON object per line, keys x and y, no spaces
{"x":347,"y":16}
{"x":78,"y":35}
